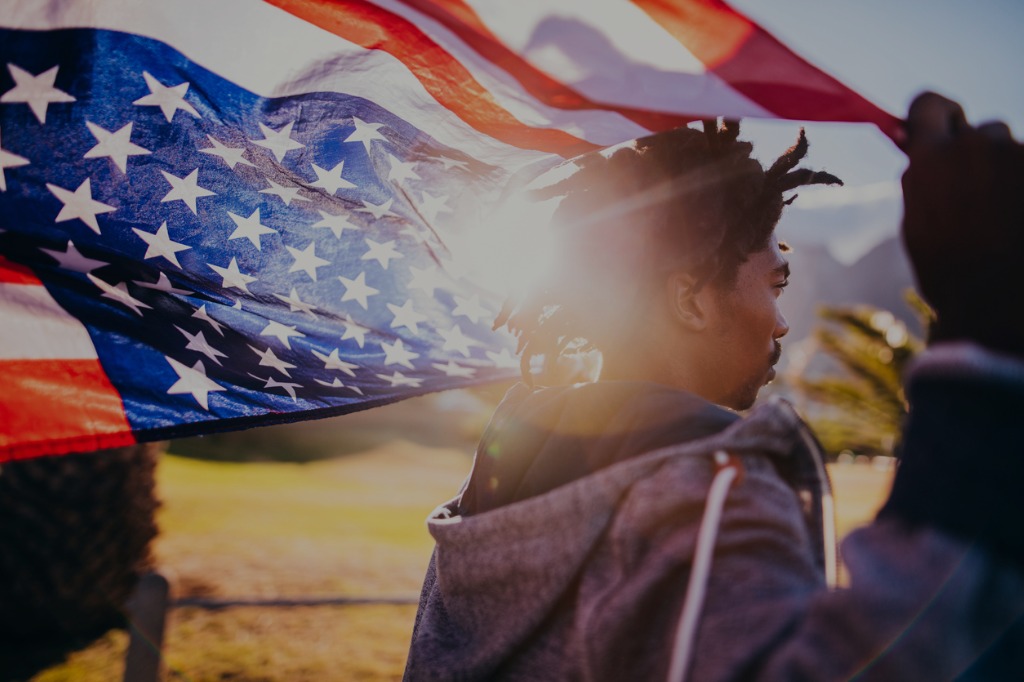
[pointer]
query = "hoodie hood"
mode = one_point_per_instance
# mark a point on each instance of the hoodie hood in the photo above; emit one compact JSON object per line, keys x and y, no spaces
{"x":540,"y":439}
{"x":500,"y":574}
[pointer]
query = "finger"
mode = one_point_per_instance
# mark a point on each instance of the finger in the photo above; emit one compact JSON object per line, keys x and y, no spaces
{"x":996,"y":130}
{"x":932,"y":120}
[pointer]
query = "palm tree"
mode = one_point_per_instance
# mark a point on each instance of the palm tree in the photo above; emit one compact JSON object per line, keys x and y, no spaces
{"x":849,"y":383}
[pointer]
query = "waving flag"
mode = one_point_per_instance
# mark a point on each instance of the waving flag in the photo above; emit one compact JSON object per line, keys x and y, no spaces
{"x":223,"y":214}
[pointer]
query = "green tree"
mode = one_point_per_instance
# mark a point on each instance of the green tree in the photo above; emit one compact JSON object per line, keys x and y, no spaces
{"x":849,"y":383}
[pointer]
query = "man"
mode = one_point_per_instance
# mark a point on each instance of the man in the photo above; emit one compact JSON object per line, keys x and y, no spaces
{"x":634,"y":528}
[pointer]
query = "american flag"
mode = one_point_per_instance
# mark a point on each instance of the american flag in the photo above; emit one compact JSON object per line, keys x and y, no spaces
{"x":220,"y":215}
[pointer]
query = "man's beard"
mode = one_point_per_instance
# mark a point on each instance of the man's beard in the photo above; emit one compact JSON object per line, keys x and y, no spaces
{"x":777,"y":355}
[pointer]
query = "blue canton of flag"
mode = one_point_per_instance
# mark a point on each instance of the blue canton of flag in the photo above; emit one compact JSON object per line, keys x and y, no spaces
{"x":237,"y":260}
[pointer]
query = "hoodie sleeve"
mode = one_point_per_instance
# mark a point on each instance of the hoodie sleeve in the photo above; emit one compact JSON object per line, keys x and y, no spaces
{"x":961,"y":464}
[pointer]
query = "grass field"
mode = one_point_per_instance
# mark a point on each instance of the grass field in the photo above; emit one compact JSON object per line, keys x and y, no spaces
{"x":351,"y":526}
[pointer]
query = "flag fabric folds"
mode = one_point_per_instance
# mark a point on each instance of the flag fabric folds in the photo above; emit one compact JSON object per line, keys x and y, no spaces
{"x":220,"y":215}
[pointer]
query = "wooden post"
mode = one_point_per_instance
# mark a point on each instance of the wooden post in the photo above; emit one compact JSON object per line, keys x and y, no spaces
{"x":147,"y":610}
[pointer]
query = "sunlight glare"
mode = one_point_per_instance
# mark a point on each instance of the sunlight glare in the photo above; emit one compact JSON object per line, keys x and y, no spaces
{"x":512,"y":249}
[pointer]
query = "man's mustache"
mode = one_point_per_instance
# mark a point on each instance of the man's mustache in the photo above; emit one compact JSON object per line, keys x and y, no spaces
{"x":777,"y":355}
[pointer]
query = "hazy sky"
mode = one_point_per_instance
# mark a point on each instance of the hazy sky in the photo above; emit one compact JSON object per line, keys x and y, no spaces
{"x":889,"y":50}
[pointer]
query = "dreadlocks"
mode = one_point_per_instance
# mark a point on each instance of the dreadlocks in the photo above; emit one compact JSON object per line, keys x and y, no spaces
{"x":685,"y":199}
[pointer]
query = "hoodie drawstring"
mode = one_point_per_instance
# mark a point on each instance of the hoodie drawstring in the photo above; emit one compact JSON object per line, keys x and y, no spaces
{"x":728,"y":470}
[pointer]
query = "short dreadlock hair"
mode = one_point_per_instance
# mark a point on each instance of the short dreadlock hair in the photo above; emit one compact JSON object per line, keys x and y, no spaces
{"x":684,"y":199}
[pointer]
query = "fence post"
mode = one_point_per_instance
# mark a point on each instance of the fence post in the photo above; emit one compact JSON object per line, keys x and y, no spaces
{"x":147,"y":612}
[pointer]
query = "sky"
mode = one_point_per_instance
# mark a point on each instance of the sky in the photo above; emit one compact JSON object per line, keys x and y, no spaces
{"x":888,"y":51}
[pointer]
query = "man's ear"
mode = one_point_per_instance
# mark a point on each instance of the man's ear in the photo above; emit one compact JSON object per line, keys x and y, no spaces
{"x":687,"y":305}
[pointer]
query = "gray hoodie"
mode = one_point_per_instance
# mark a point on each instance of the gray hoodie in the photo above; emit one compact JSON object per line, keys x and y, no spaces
{"x":586,"y":580}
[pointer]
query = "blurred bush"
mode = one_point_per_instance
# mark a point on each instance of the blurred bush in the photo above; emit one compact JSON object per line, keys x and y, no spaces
{"x":450,"y":419}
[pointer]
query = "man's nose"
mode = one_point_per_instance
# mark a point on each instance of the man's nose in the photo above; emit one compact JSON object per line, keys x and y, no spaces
{"x":781,"y":326}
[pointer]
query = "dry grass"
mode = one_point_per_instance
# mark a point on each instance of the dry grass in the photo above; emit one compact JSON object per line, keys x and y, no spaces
{"x":351,"y":526}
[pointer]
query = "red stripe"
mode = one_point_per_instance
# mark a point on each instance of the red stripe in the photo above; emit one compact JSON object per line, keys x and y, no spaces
{"x":462,"y":20}
{"x":15,"y":273}
{"x":761,"y":68}
{"x":40,"y":418}
{"x":441,"y":74}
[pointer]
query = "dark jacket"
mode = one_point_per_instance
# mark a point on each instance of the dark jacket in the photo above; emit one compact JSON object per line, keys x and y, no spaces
{"x":567,"y":557}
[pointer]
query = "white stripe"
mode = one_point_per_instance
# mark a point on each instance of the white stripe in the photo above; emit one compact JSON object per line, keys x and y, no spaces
{"x":613,"y":52}
{"x":597,"y":126}
{"x":273,"y":54}
{"x":35,"y":327}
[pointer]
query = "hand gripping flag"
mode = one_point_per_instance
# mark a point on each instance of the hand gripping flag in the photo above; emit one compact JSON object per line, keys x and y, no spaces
{"x":223,"y":214}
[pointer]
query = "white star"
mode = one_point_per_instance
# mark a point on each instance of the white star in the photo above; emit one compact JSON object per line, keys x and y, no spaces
{"x":160,"y":245}
{"x":233,"y":279}
{"x":452,"y":163}
{"x":249,"y":228}
{"x":397,"y":354}
{"x":237,"y":305}
{"x":306,"y":260}
{"x":117,"y":145}
{"x":232,"y":156}
{"x":504,"y":359}
{"x":282,"y":331}
{"x":185,"y":189}
{"x":454,"y":339}
{"x":335,"y":223}
{"x":274,"y":383}
{"x":169,"y":99}
{"x":332,"y":361}
{"x":400,"y":171}
{"x":399,"y":379}
{"x":406,"y":316}
{"x":9,"y":160}
{"x":357,"y":290}
{"x":378,"y":211}
{"x":163,"y":284}
{"x":330,"y":180}
{"x":354,"y":331}
{"x":337,"y":384}
{"x":35,"y":91}
{"x":432,"y":206}
{"x":279,"y":142}
{"x":382,"y":253}
{"x":471,"y":308}
{"x":365,"y":132}
{"x":296,"y":304}
{"x":79,"y":204}
{"x":198,"y":343}
{"x":268,"y":359}
{"x":118,"y":292}
{"x":71,"y":259}
{"x":454,"y":370}
{"x":193,"y":380}
{"x":286,"y":194}
{"x":428,"y":279}
{"x":201,"y":314}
